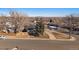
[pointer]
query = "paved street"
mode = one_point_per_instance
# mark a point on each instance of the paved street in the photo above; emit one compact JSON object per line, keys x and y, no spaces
{"x":39,"y":44}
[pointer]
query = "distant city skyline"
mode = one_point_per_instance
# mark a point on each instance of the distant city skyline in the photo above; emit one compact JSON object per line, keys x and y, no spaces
{"x":42,"y":11}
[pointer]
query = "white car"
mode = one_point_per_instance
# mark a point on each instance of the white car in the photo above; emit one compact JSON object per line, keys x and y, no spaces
{"x":53,"y":27}
{"x":2,"y":37}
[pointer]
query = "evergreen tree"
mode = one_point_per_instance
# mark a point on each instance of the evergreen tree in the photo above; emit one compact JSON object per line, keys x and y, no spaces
{"x":40,"y":26}
{"x":50,"y":20}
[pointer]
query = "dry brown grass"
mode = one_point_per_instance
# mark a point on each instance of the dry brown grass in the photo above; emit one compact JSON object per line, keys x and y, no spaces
{"x":60,"y":36}
{"x":44,"y":36}
{"x":21,"y":35}
{"x":15,"y":35}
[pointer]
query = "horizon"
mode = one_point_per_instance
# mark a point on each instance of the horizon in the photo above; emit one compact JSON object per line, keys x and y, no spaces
{"x":42,"y":12}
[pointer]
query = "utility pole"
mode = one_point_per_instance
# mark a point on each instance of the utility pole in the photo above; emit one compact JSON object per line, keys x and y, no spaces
{"x":70,"y":26}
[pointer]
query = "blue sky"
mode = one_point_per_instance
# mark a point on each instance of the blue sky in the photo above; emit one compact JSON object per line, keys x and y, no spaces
{"x":42,"y":11}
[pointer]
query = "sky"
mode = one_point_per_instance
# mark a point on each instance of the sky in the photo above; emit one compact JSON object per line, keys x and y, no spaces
{"x":41,"y":11}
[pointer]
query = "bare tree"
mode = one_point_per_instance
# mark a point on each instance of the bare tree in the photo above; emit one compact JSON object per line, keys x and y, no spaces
{"x":19,"y":20}
{"x":71,"y":22}
{"x":2,"y":22}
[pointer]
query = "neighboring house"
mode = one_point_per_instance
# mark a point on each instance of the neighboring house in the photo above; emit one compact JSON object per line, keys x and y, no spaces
{"x":10,"y":27}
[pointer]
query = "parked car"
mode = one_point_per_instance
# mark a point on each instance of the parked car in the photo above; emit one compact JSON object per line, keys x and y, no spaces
{"x":52,"y":26}
{"x":2,"y":37}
